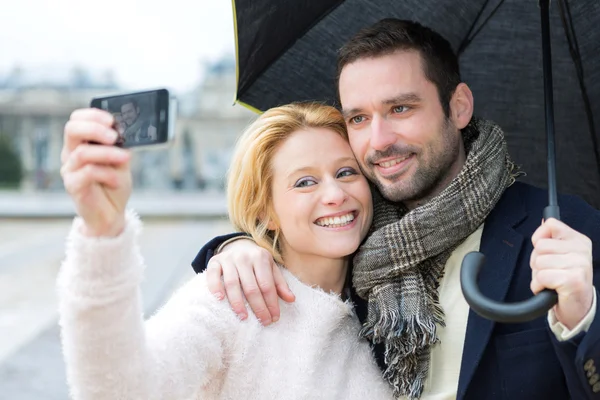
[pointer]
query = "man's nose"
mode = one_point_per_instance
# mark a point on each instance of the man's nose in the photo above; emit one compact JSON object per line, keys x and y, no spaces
{"x":382,"y":134}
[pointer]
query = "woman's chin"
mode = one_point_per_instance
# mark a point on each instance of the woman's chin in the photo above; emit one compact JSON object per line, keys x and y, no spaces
{"x":340,"y":250}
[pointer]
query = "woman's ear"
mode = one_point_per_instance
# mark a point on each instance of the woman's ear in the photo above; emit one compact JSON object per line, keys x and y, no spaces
{"x":271,"y":225}
{"x":264,"y":217}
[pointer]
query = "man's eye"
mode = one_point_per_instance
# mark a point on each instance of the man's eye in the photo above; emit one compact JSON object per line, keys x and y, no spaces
{"x":399,"y":109}
{"x":357,"y":120}
{"x":302,"y":183}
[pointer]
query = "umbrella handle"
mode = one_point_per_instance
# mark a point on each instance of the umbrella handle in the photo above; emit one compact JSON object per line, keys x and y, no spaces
{"x":552,"y":212}
{"x":539,"y":304}
{"x":522,"y":311}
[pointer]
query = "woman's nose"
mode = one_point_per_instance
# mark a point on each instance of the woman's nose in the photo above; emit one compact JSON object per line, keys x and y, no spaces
{"x":334,"y":194}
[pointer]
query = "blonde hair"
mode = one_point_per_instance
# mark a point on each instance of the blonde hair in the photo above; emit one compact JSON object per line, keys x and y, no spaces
{"x":250,"y":176}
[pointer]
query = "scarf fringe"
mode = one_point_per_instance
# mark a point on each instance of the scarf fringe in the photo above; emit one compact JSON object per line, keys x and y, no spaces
{"x":412,"y":388}
{"x":413,"y":332}
{"x":409,"y":339}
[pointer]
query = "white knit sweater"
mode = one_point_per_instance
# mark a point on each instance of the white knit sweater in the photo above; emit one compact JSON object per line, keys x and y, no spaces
{"x":195,"y":347}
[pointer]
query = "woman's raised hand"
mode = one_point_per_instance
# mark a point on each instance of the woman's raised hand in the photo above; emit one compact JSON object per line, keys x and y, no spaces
{"x":96,"y":174}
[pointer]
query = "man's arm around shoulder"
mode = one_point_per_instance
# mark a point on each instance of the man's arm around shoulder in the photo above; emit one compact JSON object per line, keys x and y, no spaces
{"x":201,"y":260}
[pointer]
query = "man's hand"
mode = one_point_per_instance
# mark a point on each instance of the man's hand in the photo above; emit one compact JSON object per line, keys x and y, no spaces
{"x":562,"y":260}
{"x":247,"y":267}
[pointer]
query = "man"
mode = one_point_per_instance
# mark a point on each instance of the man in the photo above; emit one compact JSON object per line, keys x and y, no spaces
{"x":445,"y":187}
{"x":137,"y":129}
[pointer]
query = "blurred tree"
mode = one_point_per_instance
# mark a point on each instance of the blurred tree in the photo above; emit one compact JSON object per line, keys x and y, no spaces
{"x":11,"y":169}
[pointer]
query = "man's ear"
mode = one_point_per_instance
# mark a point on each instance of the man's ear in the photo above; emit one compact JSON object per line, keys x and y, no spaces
{"x":461,"y":106}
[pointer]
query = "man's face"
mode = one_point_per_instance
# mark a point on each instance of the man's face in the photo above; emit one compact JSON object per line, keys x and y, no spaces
{"x":397,"y":127}
{"x":129,"y":113}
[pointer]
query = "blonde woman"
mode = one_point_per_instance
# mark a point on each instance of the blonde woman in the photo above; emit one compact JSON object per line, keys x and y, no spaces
{"x":296,"y":187}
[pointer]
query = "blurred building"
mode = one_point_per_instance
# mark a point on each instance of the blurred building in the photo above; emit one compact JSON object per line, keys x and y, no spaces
{"x":207,"y":128}
{"x":35,"y":105}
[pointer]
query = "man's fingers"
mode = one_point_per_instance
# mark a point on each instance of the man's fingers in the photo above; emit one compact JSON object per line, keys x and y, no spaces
{"x":535,"y":286}
{"x":266,"y":284}
{"x":254,"y":296}
{"x":283,"y":289}
{"x":557,"y":246}
{"x":213,"y":278}
{"x":553,"y":278}
{"x":555,"y":229}
{"x":557,"y":261}
{"x":233,"y":290}
{"x":547,"y":279}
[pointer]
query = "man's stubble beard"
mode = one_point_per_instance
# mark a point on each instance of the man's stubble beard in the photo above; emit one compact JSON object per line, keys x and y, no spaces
{"x":426,"y":180}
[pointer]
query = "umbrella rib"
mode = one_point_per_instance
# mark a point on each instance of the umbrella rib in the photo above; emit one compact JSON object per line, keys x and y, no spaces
{"x":249,"y":82}
{"x":467,"y":40}
{"x":567,"y":21}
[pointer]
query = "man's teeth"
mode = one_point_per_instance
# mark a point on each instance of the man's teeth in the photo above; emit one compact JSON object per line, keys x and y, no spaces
{"x":391,"y":163}
{"x":336,"y":222}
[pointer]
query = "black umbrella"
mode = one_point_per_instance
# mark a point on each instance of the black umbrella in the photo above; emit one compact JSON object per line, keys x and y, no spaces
{"x":286,"y":51}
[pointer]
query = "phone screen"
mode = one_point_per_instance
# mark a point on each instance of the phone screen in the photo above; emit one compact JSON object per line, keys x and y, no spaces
{"x":141,"y":119}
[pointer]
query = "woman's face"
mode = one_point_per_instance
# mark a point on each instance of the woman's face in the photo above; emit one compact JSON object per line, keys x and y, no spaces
{"x":320,"y":198}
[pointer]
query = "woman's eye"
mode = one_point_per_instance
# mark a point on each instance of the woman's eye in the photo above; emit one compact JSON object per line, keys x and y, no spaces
{"x":346,"y":172}
{"x":304,"y":183}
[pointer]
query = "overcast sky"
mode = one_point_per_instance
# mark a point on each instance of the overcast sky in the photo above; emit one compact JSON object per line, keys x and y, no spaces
{"x":148,"y":43}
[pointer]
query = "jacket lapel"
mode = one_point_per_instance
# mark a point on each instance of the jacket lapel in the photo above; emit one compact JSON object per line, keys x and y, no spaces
{"x":501,"y":245}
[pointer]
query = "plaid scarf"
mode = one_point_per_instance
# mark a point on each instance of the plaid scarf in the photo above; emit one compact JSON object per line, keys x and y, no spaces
{"x":400,"y":265}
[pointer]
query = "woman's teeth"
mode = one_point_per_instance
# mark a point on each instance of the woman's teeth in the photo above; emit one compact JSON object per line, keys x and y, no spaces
{"x":336,"y":222}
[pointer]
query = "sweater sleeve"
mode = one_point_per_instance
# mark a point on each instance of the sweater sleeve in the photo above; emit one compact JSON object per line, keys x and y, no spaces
{"x":110,"y":351}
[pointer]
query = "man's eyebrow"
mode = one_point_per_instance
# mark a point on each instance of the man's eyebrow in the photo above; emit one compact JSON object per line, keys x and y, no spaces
{"x":401,"y":98}
{"x":348,"y":113}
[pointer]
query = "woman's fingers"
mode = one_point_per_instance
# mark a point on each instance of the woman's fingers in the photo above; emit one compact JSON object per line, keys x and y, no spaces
{"x":93,"y":114}
{"x":76,"y":181}
{"x":88,"y":125}
{"x":91,"y":154}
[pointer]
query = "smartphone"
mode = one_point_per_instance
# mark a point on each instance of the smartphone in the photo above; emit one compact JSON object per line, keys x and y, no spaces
{"x":142,"y":119}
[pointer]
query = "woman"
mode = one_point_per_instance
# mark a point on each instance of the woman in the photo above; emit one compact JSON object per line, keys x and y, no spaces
{"x":295,"y":185}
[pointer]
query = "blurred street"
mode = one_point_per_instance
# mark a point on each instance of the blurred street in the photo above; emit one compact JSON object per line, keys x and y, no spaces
{"x":177,"y":190}
{"x":31,"y":250}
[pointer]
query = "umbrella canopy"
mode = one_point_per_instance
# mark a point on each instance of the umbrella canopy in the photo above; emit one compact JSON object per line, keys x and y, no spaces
{"x":286,"y":51}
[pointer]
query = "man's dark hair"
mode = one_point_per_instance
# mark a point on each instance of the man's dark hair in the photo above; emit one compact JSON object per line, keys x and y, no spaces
{"x":440,"y":64}
{"x":129,"y":101}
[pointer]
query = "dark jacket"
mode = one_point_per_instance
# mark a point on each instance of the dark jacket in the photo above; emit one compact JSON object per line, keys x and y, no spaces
{"x":516,"y":361}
